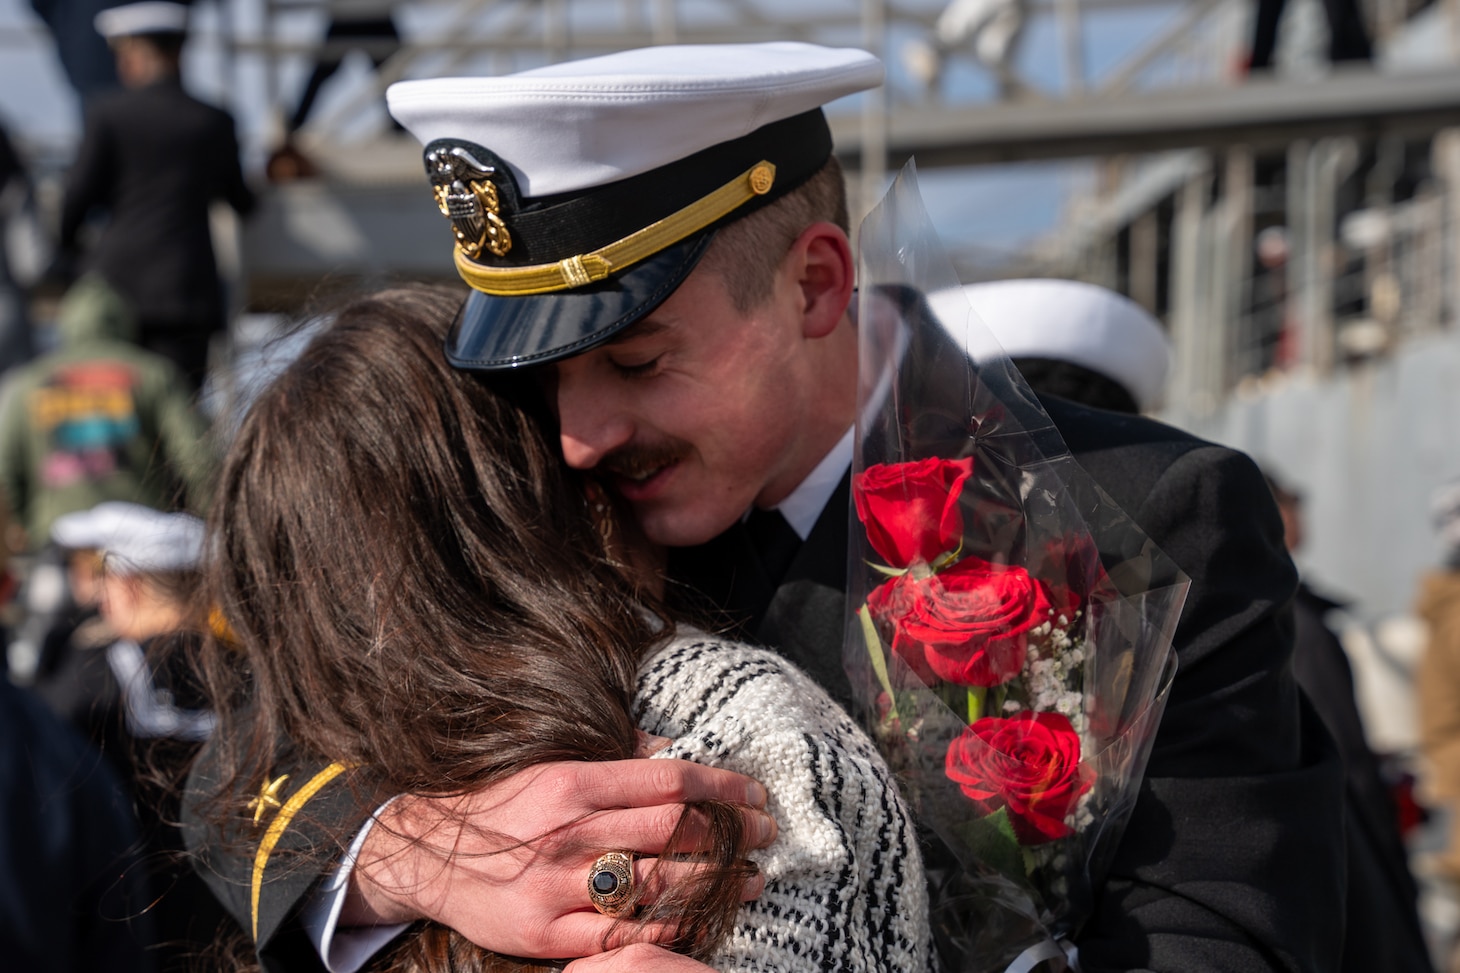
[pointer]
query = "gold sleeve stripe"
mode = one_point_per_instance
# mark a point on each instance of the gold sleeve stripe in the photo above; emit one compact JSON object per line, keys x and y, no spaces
{"x":585,"y":268}
{"x":280,"y":824}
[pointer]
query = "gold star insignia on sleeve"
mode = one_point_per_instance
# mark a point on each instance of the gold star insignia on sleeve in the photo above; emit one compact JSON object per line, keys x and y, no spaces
{"x":268,"y":798}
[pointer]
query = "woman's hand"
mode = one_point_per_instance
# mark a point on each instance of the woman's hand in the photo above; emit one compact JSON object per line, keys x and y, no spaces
{"x":507,"y":866}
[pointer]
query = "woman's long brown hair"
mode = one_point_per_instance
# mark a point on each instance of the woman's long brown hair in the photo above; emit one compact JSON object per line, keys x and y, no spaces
{"x":414,"y":588}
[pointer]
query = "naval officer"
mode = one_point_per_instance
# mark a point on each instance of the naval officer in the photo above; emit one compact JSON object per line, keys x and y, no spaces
{"x":152,"y":158}
{"x":658,"y":238}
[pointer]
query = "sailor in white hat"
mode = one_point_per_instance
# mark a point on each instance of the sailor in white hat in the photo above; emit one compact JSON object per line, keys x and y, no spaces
{"x":149,"y":18}
{"x":1074,"y":339}
{"x":134,"y":539}
{"x":150,"y":562}
{"x":151,"y":161}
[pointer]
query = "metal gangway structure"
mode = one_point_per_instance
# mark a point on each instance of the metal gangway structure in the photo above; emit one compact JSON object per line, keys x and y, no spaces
{"x":970,"y":82}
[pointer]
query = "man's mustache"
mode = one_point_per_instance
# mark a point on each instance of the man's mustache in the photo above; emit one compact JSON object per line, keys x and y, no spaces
{"x":637,"y":462}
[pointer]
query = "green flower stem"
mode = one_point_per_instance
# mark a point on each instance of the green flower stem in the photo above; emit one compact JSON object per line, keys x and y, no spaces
{"x":975,"y":703}
{"x":879,"y":661}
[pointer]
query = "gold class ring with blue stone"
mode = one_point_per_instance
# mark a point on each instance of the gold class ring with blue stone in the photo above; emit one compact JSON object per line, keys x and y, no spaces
{"x":611,"y":882}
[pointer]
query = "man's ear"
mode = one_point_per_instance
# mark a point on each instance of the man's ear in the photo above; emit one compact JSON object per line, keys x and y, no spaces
{"x":826,"y":277}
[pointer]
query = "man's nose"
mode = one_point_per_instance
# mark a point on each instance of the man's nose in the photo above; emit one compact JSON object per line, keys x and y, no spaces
{"x":590,"y":424}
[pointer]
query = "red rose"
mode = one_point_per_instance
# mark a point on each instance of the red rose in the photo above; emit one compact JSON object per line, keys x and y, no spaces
{"x":894,"y":600}
{"x":911,"y":509}
{"x":968,"y":624}
{"x":1029,"y":764}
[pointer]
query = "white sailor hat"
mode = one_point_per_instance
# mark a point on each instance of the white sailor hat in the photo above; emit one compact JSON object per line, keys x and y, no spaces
{"x":1079,"y":323}
{"x":582,"y":194}
{"x":135,"y":539}
{"x":151,"y":17}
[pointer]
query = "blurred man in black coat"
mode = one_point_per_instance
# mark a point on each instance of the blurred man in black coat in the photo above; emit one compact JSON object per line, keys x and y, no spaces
{"x":1099,"y":348}
{"x":72,"y":888}
{"x":154,"y":158}
{"x":1384,"y":931}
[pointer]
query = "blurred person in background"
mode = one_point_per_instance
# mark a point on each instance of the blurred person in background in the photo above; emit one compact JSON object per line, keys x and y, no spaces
{"x":15,"y":337}
{"x":990,"y":29}
{"x":1438,"y":683}
{"x":142,"y":577}
{"x":70,"y":885}
{"x":1382,"y":889}
{"x":70,"y":673}
{"x":153,"y":158}
{"x":1099,"y":348}
{"x":130,"y":687}
{"x":1079,"y":341}
{"x":97,"y":419}
{"x":1348,"y":38}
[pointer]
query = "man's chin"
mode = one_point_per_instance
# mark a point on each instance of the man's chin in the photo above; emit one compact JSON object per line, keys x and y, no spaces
{"x":681,"y":528}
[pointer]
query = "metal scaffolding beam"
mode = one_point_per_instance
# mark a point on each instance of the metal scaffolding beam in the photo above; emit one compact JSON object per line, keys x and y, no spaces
{"x":1259,"y":113}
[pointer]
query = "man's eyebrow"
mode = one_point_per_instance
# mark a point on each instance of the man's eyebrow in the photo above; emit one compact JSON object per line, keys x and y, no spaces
{"x":639,"y":329}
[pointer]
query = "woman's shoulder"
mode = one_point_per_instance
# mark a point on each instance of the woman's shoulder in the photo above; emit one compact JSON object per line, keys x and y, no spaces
{"x":691,"y":649}
{"x":844,"y":882}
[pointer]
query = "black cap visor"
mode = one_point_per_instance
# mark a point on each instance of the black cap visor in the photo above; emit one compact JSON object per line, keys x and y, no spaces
{"x":494,"y":333}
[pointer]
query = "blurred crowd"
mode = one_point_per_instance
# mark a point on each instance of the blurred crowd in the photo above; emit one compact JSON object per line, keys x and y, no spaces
{"x":106,"y":459}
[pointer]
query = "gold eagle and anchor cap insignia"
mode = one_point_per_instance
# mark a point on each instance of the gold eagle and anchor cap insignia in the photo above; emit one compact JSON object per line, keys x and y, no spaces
{"x":466,"y":196}
{"x":582,"y":194}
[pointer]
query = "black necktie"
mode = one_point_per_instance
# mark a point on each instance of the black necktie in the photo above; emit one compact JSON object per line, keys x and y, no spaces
{"x":774,"y":540}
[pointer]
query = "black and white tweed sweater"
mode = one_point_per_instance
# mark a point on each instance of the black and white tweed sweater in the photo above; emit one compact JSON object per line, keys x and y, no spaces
{"x":844,"y":880}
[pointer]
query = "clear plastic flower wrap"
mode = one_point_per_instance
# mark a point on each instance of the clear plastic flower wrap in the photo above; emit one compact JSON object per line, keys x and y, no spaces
{"x":1010,"y":633}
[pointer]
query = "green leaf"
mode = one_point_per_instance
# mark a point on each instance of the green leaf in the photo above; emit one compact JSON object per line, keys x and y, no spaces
{"x":948,"y":557}
{"x":993,"y":843}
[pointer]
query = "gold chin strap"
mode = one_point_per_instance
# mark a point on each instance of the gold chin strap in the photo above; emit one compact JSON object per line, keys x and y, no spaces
{"x":585,"y":268}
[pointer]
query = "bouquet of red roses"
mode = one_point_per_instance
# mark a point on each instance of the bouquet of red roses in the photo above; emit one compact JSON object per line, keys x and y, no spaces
{"x":1010,"y":641}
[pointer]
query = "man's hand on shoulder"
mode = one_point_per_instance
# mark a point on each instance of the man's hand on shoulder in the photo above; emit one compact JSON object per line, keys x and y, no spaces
{"x":507,"y":866}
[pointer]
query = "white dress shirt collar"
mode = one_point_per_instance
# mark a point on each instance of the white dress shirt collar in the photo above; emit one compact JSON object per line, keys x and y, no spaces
{"x":803,"y":507}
